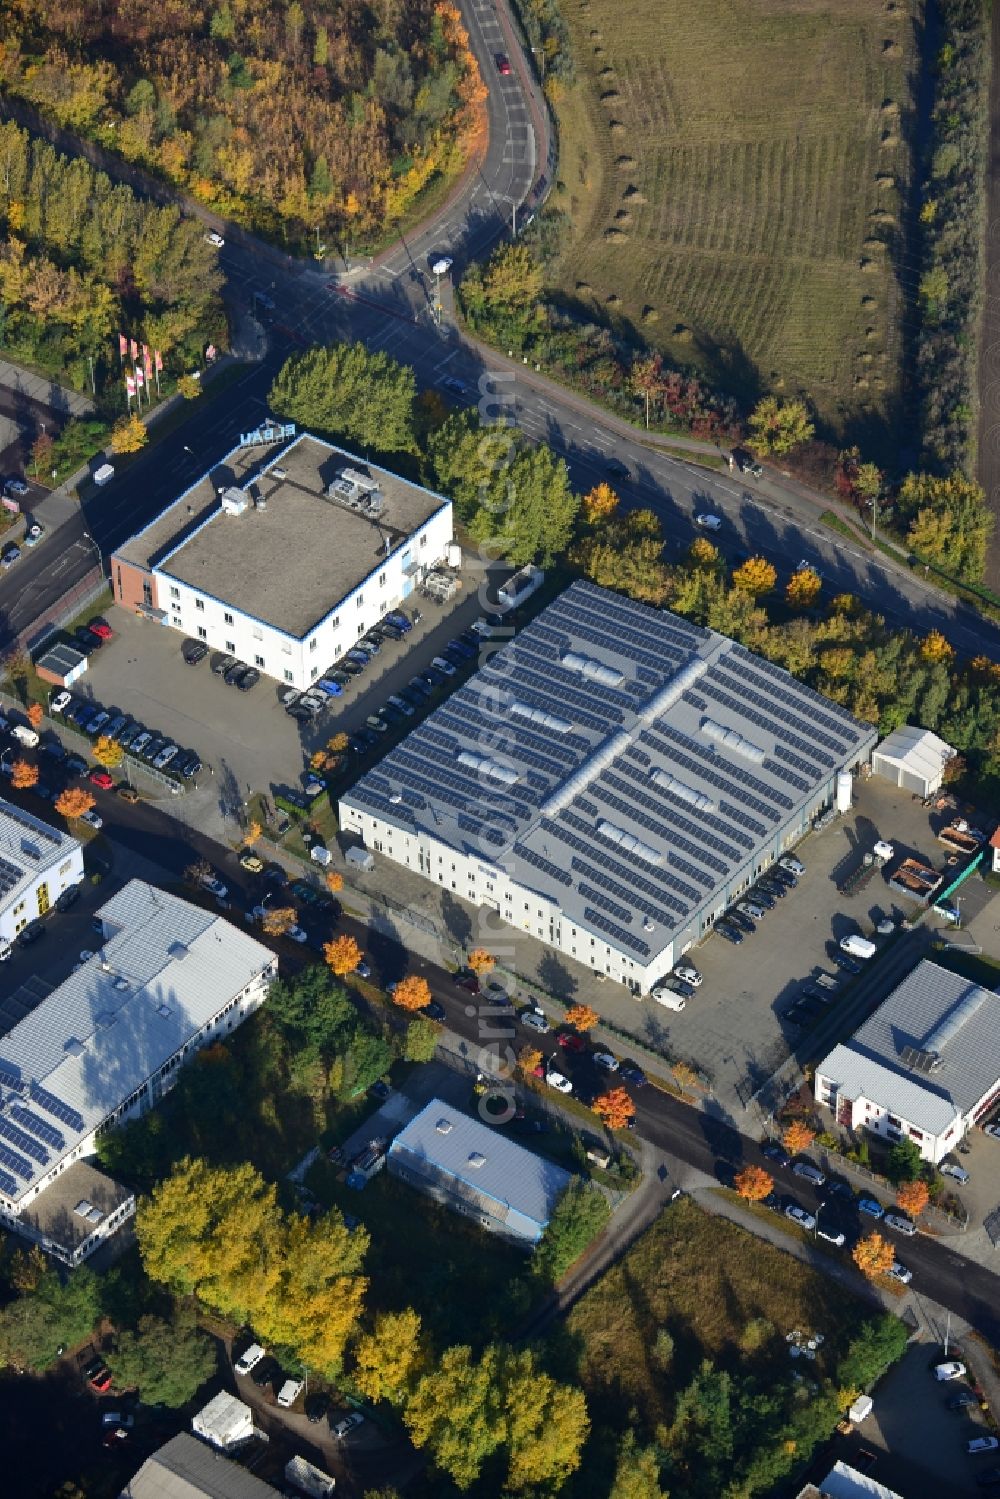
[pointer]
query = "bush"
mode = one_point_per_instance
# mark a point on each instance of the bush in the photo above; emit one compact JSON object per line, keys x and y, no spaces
{"x":577,"y":1217}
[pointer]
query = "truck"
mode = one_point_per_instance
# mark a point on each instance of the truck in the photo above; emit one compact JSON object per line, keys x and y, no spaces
{"x":959,"y":837}
{"x":866,"y":871}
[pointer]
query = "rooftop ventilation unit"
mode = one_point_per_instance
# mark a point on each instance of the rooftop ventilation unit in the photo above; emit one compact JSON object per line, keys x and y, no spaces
{"x":178,"y":950}
{"x":356,"y":491}
{"x":682,"y":791}
{"x":731,"y":740}
{"x":477,"y":1159}
{"x":487,"y":767}
{"x":73,"y":1047}
{"x":629,"y":843}
{"x":539,"y":716}
{"x":949,"y":1027}
{"x":444,"y":1126}
{"x":593,"y":671}
{"x":233,"y":501}
{"x":278,"y":473}
{"x":667,"y":696}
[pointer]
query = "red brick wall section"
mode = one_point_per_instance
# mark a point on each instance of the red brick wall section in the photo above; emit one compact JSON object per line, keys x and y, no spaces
{"x":126,"y":584}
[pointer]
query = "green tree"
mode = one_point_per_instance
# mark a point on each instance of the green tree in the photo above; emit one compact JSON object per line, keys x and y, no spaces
{"x":637,"y":1472}
{"x":779,"y":426}
{"x":348,"y":392}
{"x":578,"y":1216}
{"x":129,"y":435}
{"x":468,"y":458}
{"x":950,"y":522}
{"x":37,"y":1326}
{"x":421,"y":1040}
{"x":317,"y":1302}
{"x":455,"y":1411}
{"x":905,"y":1162}
{"x":882,"y":1340}
{"x":513,"y":279}
{"x":167,"y":1362}
{"x":529,"y":511}
{"x":321,"y":48}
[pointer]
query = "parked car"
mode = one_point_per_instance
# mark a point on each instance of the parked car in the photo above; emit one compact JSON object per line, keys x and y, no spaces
{"x":69,"y":897}
{"x":761,"y":899}
{"x":221,"y":664}
{"x":789,"y":861}
{"x":93,"y":820}
{"x":708,"y":522}
{"x":800,"y":1216}
{"x":100,"y":627}
{"x":102,"y":779}
{"x":316,"y":1406}
{"x":194,"y":651}
{"x":688,"y":974}
{"x":31,"y":933}
{"x":870,"y":1207}
{"x":558,"y":1080}
{"x":962,"y":1400}
{"x":571,"y":1041}
{"x":10,"y":554}
{"x":982,"y":1444}
{"x":344,"y":1425}
{"x":993,"y":1130}
{"x":445,"y":667}
{"x":535,"y":1020}
{"x":900,"y":1224}
{"x":249,"y":1359}
{"x":401,"y":705}
{"x":955,"y":1171}
{"x":899,"y":1272}
{"x":214,"y":886}
{"x":739,"y":918}
{"x":776,"y":1152}
{"x":605,"y":1061}
{"x":247,"y":679}
{"x":60,"y":702}
{"x":832,"y":1234}
{"x":951,"y":1369}
{"x":731,"y":933}
{"x":809,"y":1173}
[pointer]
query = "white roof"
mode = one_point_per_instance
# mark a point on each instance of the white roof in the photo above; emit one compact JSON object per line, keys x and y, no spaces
{"x":166,"y":970}
{"x":188,"y":1469}
{"x":916,"y":750}
{"x":29,"y":848}
{"x":224,"y":1419}
{"x":928,"y":1054}
{"x":844,"y":1482}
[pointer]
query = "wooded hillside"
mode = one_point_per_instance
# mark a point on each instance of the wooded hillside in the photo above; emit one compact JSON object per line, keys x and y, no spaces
{"x":289,"y":117}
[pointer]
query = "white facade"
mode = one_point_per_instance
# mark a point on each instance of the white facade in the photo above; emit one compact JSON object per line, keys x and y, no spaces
{"x":37,"y":863}
{"x":294,"y":660}
{"x":912,"y":758}
{"x":861,"y":1112}
{"x":105,"y":1045}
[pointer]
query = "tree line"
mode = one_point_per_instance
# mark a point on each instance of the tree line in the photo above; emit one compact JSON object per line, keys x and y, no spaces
{"x":290,"y":116}
{"x":84,"y":258}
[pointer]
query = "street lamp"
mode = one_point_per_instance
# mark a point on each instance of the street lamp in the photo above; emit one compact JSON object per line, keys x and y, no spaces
{"x":540,"y":52}
{"x":439,"y":268}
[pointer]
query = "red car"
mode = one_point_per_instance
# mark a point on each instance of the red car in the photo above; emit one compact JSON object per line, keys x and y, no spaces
{"x":101,"y":1381}
{"x":102,"y":779}
{"x":467,"y":981}
{"x":101,"y":629}
{"x":570,"y":1041}
{"x":503,"y":64}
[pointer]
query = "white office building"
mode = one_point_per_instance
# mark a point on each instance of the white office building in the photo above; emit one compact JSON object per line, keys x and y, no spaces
{"x":284,"y":554}
{"x":37,"y":863}
{"x":609,"y":781}
{"x":102,"y":1048}
{"x":924,"y":1067}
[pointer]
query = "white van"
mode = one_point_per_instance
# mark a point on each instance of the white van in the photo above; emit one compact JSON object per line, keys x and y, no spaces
{"x":361,"y":858}
{"x":668,"y":999}
{"x":24,"y":735}
{"x":858,"y":947}
{"x":289,"y":1393}
{"x":6,"y":951}
{"x":320,"y":854}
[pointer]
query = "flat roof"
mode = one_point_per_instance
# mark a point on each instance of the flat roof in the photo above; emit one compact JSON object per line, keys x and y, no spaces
{"x":620,"y":761}
{"x":480,"y":1162}
{"x":74,"y":1206}
{"x":293,"y":562}
{"x":29,"y":847}
{"x":166,"y":969}
{"x":916,"y":750}
{"x":930,"y":1051}
{"x":60,"y":657}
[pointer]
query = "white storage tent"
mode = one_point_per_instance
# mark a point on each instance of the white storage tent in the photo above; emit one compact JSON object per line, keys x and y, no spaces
{"x":912,"y":758}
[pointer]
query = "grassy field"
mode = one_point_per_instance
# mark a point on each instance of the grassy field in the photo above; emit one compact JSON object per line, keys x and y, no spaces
{"x":732,"y":171}
{"x":719,"y":1292}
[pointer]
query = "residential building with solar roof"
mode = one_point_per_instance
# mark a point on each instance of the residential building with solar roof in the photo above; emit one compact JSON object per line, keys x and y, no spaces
{"x":37,"y":863}
{"x":924,"y":1067}
{"x":609,"y":781}
{"x":105,"y":1046}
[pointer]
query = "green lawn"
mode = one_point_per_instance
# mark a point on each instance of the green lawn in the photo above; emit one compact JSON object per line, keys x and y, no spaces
{"x":732,"y":173}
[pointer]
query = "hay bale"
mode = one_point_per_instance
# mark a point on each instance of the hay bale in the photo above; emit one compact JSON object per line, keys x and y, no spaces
{"x":632,"y":195}
{"x":869,"y":302}
{"x":625,"y":163}
{"x":615,"y":236}
{"x":650,"y":315}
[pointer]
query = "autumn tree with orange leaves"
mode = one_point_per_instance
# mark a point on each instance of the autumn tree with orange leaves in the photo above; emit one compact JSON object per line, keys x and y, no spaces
{"x":753,"y":1183}
{"x":614,"y":1108}
{"x":342,"y":955}
{"x":528,"y":1058}
{"x":481,"y":962}
{"x":797,"y":1136}
{"x":873,"y":1256}
{"x":582,"y":1018}
{"x":913,"y":1197}
{"x":412,"y":993}
{"x":23,"y":775}
{"x":598,"y":505}
{"x":35,"y":714}
{"x":334,"y":881}
{"x":73,"y":802}
{"x":278,"y":920}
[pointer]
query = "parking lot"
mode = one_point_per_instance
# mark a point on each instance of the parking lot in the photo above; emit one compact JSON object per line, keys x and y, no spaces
{"x":246,"y":741}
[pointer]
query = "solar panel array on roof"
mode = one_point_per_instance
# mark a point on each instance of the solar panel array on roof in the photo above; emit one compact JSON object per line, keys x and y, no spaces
{"x":45,"y":1131}
{"x":8,"y":1184}
{"x":55,"y":1106}
{"x":10,"y":876}
{"x":23,"y":1141}
{"x":629,"y":690}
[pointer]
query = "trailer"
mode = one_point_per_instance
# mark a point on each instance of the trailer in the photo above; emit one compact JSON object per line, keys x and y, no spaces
{"x":959,"y":837}
{"x":308,"y":1478}
{"x":918,"y":881}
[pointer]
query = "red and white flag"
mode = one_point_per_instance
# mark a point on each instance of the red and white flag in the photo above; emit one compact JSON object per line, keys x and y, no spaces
{"x":134,"y":349}
{"x":122,"y":346}
{"x":147,"y":361}
{"x":130,"y":386}
{"x":139,"y":376}
{"x":158,"y":357}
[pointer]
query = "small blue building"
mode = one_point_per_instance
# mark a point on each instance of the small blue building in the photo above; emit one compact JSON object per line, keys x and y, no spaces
{"x":475,"y":1170}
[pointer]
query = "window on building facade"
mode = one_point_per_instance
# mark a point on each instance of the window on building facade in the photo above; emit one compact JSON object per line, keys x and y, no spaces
{"x":361,"y":600}
{"x":423,"y":540}
{"x":200,"y":604}
{"x":202,"y":633}
{"x":313,"y":643}
{"x":230,"y":645}
{"x":381,"y":580}
{"x":258,"y":660}
{"x":227,"y":617}
{"x":175,"y":593}
{"x":289,"y":677}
